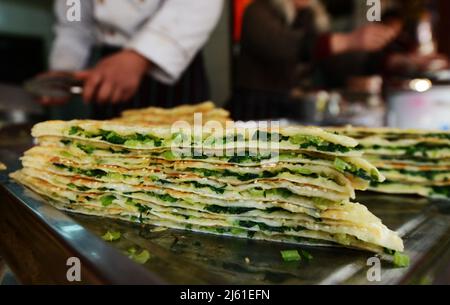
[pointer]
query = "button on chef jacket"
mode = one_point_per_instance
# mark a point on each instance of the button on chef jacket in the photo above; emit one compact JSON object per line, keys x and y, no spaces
{"x":168,"y":32}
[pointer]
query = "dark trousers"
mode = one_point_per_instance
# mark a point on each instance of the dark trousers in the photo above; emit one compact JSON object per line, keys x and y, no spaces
{"x":248,"y":105}
{"x":191,"y":88}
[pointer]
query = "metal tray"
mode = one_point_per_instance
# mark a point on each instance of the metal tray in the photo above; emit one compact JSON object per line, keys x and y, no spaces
{"x":36,"y":240}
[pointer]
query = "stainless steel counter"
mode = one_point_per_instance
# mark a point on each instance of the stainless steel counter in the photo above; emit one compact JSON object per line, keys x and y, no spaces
{"x":36,"y":241}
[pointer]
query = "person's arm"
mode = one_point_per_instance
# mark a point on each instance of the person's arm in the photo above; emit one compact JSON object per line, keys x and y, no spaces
{"x":73,"y":39}
{"x":164,"y":47}
{"x":174,"y":36}
{"x":272,"y":40}
{"x":369,"y":38}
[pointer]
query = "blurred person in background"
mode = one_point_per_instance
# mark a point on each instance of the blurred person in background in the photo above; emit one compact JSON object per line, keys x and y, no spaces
{"x":135,"y":53}
{"x":415,"y":51}
{"x":287,"y":44}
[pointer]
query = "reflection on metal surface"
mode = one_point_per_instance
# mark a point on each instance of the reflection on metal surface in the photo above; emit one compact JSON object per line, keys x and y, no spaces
{"x":109,"y":265}
{"x":7,"y":278}
{"x":420,"y":247}
{"x":411,"y":225}
{"x":342,"y":274}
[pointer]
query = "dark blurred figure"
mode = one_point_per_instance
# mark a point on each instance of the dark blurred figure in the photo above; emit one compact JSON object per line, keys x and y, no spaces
{"x":415,"y":51}
{"x":282,"y":43}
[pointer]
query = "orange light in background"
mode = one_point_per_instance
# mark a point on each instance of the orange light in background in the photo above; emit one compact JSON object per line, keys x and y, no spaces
{"x":239,"y":9}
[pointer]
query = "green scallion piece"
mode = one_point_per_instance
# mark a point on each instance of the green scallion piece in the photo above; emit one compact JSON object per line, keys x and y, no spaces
{"x":111,"y":236}
{"x":107,"y":200}
{"x":140,"y":258}
{"x":291,"y":256}
{"x":401,"y":260}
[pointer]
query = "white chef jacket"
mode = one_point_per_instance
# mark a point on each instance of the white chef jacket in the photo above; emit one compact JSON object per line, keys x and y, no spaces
{"x":167,"y":32}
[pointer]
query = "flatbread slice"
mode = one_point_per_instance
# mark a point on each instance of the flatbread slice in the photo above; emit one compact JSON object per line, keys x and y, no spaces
{"x":147,"y":138}
{"x":377,"y":234}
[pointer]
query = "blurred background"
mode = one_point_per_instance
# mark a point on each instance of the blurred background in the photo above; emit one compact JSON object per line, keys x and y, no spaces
{"x":279,"y":59}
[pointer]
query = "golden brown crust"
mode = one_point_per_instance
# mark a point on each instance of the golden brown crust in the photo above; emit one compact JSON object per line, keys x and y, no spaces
{"x":177,"y":111}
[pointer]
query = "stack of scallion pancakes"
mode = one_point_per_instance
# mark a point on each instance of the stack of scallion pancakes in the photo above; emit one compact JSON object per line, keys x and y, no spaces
{"x":188,"y":113}
{"x":413,"y":161}
{"x":132,"y":172}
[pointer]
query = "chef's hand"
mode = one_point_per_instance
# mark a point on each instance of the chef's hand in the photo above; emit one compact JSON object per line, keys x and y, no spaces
{"x":372,"y":38}
{"x":369,"y":38}
{"x":115,"y":79}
